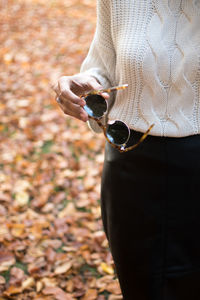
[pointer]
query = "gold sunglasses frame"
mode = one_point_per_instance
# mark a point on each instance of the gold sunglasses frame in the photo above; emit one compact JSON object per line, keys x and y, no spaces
{"x":121,"y":148}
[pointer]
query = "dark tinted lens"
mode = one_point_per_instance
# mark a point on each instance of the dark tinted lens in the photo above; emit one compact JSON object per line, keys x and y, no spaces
{"x":118,"y":133}
{"x":95,"y":106}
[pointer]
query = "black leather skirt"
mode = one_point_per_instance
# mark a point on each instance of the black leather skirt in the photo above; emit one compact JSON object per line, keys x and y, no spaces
{"x":150,"y":204}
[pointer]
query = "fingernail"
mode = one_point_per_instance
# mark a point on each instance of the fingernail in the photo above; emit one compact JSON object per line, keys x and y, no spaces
{"x":83,"y":102}
{"x":106,"y":95}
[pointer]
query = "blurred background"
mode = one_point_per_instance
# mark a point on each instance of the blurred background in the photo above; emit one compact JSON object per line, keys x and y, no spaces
{"x":52,"y":245}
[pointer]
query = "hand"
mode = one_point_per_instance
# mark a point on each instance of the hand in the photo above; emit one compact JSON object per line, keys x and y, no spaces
{"x":70,"y":88}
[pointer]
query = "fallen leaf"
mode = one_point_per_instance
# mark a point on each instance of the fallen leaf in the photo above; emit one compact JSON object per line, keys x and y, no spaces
{"x":6,"y":261}
{"x":29,"y":282}
{"x":63,"y":268}
{"x":58,"y":293}
{"x":16,"y":276}
{"x":21,"y":198}
{"x":67,"y":211}
{"x":17,"y":230}
{"x":114,"y":288}
{"x":12,"y":290}
{"x":2,"y":280}
{"x":91,"y":294}
{"x":115,"y":297}
{"x":106,"y":268}
{"x":39,"y":286}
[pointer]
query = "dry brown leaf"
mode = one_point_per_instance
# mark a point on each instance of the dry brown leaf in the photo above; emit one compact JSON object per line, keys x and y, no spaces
{"x":21,"y":198}
{"x":115,"y":297}
{"x":69,"y":286}
{"x":63,"y":268}
{"x":17,"y":230}
{"x":49,"y":282}
{"x":4,"y":197}
{"x":67,"y":211}
{"x":39,"y":286}
{"x":2,"y":280}
{"x":29,"y":282}
{"x":6,"y":256}
{"x":114,"y":288}
{"x":12,"y":290}
{"x":58,"y":293}
{"x":91,"y":294}
{"x":106,"y":268}
{"x":16,"y":276}
{"x":6,"y":260}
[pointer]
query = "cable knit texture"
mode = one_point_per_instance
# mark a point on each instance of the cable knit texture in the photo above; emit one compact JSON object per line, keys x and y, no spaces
{"x":154,"y":46}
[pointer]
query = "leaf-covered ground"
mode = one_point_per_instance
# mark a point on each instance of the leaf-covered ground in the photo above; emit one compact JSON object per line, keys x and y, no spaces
{"x":52,"y":245}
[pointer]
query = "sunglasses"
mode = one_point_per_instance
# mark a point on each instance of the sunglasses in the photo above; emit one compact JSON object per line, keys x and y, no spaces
{"x":116,"y":133}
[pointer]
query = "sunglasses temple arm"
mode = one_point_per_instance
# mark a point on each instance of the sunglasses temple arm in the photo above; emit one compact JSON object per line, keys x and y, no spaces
{"x":139,"y":142}
{"x":108,"y":90}
{"x":112,"y":89}
{"x":103,"y":127}
{"x":143,"y":137}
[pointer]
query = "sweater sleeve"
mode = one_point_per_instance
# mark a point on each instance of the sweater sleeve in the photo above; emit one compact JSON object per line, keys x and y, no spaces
{"x":100,"y":60}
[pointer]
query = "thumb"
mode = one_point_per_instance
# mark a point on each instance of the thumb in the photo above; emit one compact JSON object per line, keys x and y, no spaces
{"x":96,"y":86}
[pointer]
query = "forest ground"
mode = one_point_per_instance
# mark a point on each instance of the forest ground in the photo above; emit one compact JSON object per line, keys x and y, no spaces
{"x":52,"y":244}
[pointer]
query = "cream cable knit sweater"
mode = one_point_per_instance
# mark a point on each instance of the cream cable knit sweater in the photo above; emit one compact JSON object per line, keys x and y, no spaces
{"x":154,"y":46}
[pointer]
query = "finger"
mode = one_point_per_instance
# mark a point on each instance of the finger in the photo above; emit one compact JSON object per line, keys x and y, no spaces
{"x":75,"y":111}
{"x":83,"y":84}
{"x":66,"y":94}
{"x":68,"y":104}
{"x":56,"y":89}
{"x":72,"y":109}
{"x":105,"y":95}
{"x":58,"y":100}
{"x":94,"y":84}
{"x":82,"y":116}
{"x":53,"y":86}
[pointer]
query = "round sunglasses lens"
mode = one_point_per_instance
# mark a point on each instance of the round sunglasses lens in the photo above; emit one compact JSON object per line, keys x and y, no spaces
{"x":118,"y":133}
{"x":95,"y":106}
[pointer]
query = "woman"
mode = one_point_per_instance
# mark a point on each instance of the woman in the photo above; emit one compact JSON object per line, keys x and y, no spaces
{"x":149,"y":198}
